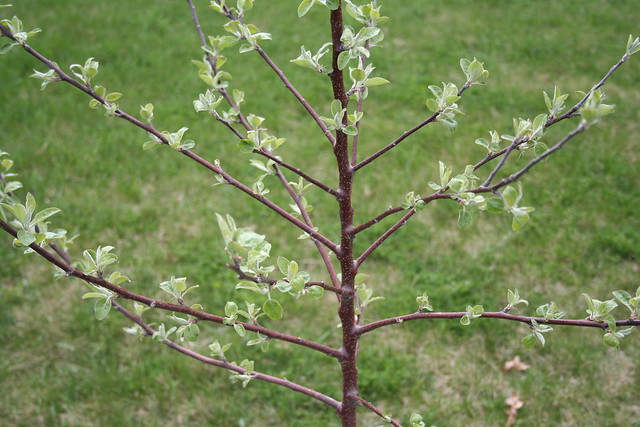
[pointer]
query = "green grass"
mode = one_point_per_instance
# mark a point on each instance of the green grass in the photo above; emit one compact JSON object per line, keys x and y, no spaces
{"x":59,"y":366}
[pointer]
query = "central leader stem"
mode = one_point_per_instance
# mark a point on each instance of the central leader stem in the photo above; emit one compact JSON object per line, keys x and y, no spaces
{"x":346,"y":311}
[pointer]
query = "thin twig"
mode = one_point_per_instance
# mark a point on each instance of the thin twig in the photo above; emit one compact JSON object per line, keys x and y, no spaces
{"x":125,"y":293}
{"x":517,"y":175}
{"x":298,"y":95}
{"x":492,"y":315}
{"x":375,"y":245}
{"x":393,"y":210}
{"x":259,"y":279}
{"x":405,"y":135}
{"x":243,"y":120}
{"x":356,"y":137}
{"x":298,"y":172}
{"x":377,"y":411}
{"x":229,"y":366}
{"x":150,"y":129}
{"x":212,"y":62}
{"x":307,"y":219}
{"x":514,"y":144}
{"x":572,"y":112}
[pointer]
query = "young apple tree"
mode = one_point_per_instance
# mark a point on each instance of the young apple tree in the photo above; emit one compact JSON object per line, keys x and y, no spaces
{"x":346,"y":63}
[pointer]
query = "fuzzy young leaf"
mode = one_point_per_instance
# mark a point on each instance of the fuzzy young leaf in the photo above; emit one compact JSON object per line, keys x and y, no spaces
{"x":423,"y":303}
{"x":304,"y":7}
{"x":273,"y":309}
{"x":101,"y":308}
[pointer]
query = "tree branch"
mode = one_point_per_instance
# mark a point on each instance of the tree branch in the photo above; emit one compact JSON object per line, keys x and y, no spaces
{"x":396,"y":209}
{"x":575,"y":108}
{"x":377,"y":411}
{"x":125,"y":293}
{"x":491,"y":315}
{"x":385,"y":236}
{"x":515,"y":176}
{"x":572,"y":112}
{"x":405,"y":135}
{"x":277,"y":70}
{"x":243,"y":120}
{"x":150,"y":129}
{"x":298,"y":172}
{"x":214,"y":67}
{"x":298,"y":96}
{"x":256,"y":279}
{"x":230,"y":366}
{"x":395,"y":227}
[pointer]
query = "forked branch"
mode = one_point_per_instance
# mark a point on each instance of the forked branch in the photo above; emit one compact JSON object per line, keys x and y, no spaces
{"x":230,"y":366}
{"x":125,"y":293}
{"x":491,"y":315}
{"x":150,"y":129}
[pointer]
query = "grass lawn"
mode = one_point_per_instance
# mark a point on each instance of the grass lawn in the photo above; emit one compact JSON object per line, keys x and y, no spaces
{"x":59,"y":366}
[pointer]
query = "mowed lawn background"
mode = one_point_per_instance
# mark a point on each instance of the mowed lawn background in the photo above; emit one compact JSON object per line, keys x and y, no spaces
{"x":59,"y":366}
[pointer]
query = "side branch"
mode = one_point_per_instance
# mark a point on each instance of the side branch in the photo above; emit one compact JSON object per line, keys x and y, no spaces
{"x":515,"y":176}
{"x":150,"y":129}
{"x":124,"y":293}
{"x":256,"y":279}
{"x":298,"y":172}
{"x":492,"y":315}
{"x":212,"y":62}
{"x":377,"y":411}
{"x":286,"y":215}
{"x":230,"y":366}
{"x":243,"y":120}
{"x":385,"y":236}
{"x":572,"y":112}
{"x":390,"y":211}
{"x":405,"y":135}
{"x":393,"y":228}
{"x":298,"y":95}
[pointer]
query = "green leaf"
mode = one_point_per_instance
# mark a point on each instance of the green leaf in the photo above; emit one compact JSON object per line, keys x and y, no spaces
{"x":519,"y":220}
{"x":6,"y":47}
{"x":343,"y":59}
{"x":315,"y":292}
{"x":495,"y":205}
{"x":102,"y":307}
{"x":624,"y":297}
{"x":304,"y":7}
{"x":44,"y":214}
{"x":358,"y":74}
{"x":26,"y":238}
{"x":298,"y":283}
{"x":251,"y":286}
{"x":292,"y":270}
{"x":464,"y":218}
{"x":529,"y":341}
{"x":332,"y":4}
{"x":114,"y":96}
{"x":283,"y":265}
{"x":149,"y":145}
{"x":273,"y":309}
{"x":245,"y":146}
{"x":376,"y":81}
{"x":90,"y":295}
{"x":230,"y":308}
{"x":239,"y":329}
{"x":350,"y":130}
{"x":192,"y":332}
{"x":611,"y":340}
{"x":510,"y":195}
